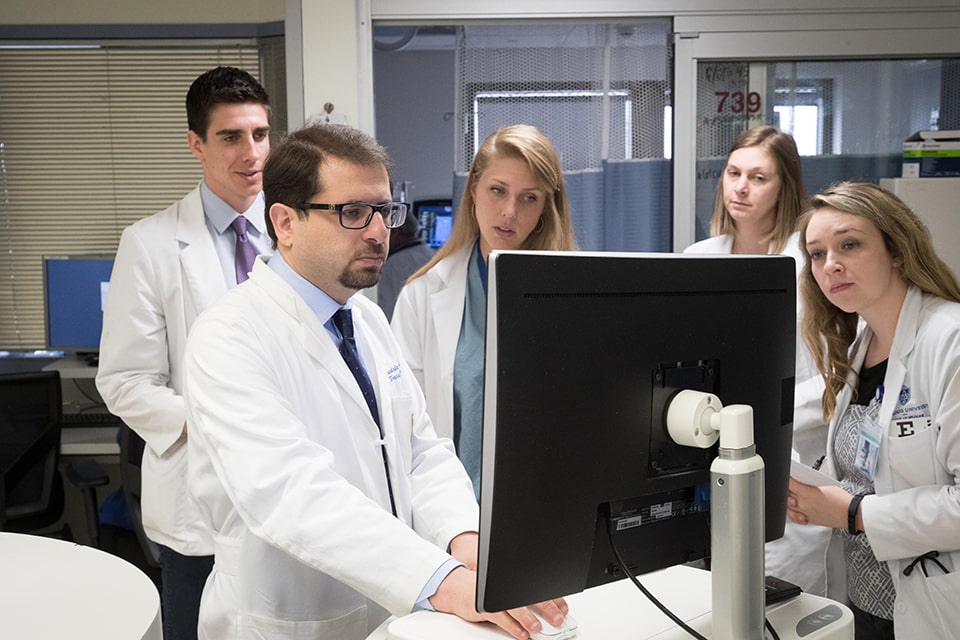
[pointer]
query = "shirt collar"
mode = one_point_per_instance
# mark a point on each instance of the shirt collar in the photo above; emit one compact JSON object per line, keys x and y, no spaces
{"x":322,"y":305}
{"x":221,"y":215}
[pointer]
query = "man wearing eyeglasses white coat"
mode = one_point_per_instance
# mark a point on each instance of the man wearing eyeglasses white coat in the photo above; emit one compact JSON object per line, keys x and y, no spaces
{"x":333,"y":500}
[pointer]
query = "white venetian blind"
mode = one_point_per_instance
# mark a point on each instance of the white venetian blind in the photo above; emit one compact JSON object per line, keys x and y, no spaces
{"x":90,"y":141}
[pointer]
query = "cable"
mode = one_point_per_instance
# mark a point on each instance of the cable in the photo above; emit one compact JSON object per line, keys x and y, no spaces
{"x":659,"y":605}
{"x":773,"y":632}
{"x":653,"y":599}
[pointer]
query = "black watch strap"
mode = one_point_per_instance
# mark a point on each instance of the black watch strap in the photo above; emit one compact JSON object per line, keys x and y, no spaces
{"x":852,"y":515}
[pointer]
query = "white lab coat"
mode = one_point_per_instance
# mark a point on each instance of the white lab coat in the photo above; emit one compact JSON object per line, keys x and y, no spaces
{"x":916,"y":508}
{"x":286,"y":465}
{"x":165,"y":273}
{"x":426,"y":321}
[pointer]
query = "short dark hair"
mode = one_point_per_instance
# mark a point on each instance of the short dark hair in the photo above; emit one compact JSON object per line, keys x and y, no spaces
{"x":223,"y":85}
{"x":291,"y":174}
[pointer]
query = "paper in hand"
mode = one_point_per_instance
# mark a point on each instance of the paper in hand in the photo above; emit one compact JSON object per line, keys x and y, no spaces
{"x":802,"y":473}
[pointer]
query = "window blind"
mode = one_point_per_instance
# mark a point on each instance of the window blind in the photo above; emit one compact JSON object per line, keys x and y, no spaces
{"x":91,"y":139}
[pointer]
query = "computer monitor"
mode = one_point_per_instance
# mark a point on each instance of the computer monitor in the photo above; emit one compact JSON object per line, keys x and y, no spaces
{"x":436,"y":220}
{"x":74,"y":291}
{"x":584,"y":352}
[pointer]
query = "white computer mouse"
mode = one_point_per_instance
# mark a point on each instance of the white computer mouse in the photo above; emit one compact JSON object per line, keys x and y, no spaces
{"x":567,"y":629}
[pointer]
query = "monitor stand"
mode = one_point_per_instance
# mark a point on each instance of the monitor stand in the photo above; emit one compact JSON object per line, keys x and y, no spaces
{"x":736,"y":509}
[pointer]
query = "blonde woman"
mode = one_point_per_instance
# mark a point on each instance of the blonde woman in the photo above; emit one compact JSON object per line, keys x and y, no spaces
{"x":759,"y":197}
{"x":514,"y":198}
{"x":882,"y":315}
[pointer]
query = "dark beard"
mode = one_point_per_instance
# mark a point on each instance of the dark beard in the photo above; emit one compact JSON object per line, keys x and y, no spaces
{"x":360,"y":279}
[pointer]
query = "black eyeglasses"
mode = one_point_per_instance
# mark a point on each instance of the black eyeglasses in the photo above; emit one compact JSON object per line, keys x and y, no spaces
{"x":357,"y":215}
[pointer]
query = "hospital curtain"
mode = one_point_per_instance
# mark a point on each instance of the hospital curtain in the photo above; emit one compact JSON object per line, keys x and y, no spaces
{"x":601,"y":93}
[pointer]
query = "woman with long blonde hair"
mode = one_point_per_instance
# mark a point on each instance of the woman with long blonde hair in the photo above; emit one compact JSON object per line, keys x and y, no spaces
{"x":515,"y":198}
{"x":882,"y":317}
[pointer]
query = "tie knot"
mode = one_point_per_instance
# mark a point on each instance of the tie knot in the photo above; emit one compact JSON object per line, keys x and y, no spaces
{"x":239,"y":226}
{"x":343,"y":321}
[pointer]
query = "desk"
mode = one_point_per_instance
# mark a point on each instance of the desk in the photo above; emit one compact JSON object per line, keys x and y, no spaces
{"x":89,"y":441}
{"x":83,"y":441}
{"x":55,"y":589}
{"x":72,"y":367}
{"x":618,"y":610}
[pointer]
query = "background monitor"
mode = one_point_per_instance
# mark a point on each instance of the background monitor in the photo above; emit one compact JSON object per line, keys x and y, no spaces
{"x":583,"y":354}
{"x":74,"y":290}
{"x":436,"y":220}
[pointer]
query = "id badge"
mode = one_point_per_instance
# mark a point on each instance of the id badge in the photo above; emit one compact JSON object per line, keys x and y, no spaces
{"x":868,"y":444}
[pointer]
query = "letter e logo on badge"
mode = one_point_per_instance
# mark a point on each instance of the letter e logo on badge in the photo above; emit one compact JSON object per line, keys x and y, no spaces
{"x":906,"y":428}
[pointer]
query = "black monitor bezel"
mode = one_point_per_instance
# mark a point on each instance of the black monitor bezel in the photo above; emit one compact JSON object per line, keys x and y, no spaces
{"x":514,"y":525}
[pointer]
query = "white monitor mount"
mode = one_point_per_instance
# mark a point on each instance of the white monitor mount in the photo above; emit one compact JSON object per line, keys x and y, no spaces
{"x":697,"y":419}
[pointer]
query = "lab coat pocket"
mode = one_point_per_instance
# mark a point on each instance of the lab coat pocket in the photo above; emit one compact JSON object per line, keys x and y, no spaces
{"x":350,"y":626}
{"x":942,"y":592}
{"x":913,"y":461}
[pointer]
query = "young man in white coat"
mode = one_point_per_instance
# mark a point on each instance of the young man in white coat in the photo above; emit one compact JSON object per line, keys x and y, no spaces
{"x":169,"y":267}
{"x":333,"y":507}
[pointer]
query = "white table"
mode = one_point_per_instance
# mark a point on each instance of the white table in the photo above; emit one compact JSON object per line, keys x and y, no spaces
{"x":619,"y":611}
{"x":55,"y":589}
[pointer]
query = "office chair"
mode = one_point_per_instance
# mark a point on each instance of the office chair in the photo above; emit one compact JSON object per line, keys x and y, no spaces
{"x":31,"y":487}
{"x":131,"y":455}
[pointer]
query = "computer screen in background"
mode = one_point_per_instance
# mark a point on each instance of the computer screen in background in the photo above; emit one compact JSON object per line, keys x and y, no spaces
{"x":75,"y":290}
{"x":436,"y":220}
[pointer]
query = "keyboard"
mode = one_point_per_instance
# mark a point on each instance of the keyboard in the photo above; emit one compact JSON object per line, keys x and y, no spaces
{"x":89,"y":419}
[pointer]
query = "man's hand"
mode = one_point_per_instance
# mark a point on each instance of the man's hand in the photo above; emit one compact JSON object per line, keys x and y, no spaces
{"x":458,"y":594}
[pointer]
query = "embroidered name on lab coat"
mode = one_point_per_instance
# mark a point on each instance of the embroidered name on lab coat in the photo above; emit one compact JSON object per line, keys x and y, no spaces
{"x":393,"y":373}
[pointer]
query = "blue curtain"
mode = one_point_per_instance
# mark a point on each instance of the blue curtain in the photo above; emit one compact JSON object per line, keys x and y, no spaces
{"x":626,"y":206}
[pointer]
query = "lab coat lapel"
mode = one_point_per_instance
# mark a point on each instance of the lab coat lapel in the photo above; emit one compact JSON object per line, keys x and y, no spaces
{"x":198,"y":258}
{"x":903,"y":342}
{"x":319,"y":345}
{"x":446,"y":305}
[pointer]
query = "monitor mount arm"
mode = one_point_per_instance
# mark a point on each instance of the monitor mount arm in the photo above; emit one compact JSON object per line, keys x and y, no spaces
{"x":697,"y":419}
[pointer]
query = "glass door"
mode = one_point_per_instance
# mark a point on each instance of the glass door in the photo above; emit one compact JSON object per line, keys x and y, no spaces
{"x":849,"y":102}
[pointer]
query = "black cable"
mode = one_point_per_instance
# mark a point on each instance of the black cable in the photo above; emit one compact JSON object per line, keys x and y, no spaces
{"x":659,"y":605}
{"x":773,"y":632}
{"x":653,"y":599}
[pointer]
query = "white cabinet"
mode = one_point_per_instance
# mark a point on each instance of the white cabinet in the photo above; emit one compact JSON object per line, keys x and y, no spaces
{"x":937,"y":202}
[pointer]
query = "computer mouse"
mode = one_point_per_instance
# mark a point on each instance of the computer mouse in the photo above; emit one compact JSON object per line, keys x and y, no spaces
{"x":567,"y":629}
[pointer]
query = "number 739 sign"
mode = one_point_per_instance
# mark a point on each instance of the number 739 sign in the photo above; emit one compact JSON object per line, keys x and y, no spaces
{"x":738,"y":101}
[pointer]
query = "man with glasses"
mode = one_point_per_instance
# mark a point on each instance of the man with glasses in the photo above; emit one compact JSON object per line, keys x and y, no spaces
{"x":169,"y":267}
{"x":333,"y":500}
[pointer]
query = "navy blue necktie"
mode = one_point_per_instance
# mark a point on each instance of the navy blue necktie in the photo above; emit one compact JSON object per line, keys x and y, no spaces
{"x":245,"y":253}
{"x":343,"y":321}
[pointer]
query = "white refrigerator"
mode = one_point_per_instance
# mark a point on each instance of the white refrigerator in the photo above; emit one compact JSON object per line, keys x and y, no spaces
{"x":937,"y":202}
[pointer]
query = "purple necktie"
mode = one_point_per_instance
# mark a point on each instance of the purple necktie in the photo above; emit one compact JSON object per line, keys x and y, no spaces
{"x":246,"y":254}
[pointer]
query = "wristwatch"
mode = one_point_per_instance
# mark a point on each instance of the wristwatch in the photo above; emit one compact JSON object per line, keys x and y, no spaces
{"x":852,"y":516}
